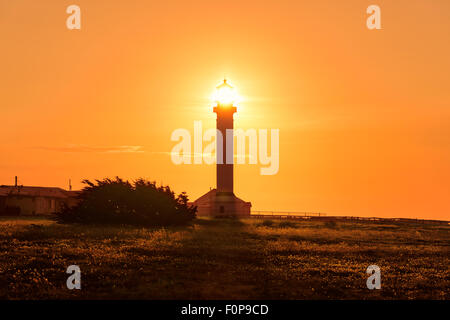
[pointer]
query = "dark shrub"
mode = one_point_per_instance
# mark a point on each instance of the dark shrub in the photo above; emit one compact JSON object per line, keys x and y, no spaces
{"x":287,"y":224}
{"x":141,"y":203}
{"x":330,"y":224}
{"x":267,"y":223}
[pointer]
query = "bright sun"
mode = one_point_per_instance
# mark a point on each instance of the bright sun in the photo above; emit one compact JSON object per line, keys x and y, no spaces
{"x":225,"y":94}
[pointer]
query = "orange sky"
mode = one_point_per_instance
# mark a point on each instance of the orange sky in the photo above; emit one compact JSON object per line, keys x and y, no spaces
{"x":364,"y":116}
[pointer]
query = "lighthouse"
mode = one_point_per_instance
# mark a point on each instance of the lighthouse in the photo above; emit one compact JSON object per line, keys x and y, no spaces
{"x":222,"y":201}
{"x":225,"y":122}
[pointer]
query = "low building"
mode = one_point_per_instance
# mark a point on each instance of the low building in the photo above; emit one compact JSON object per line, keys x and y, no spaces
{"x":24,"y":200}
{"x":215,"y":204}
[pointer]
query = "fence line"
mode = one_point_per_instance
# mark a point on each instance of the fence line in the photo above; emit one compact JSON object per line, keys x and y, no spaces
{"x":287,"y":213}
{"x":261,"y":214}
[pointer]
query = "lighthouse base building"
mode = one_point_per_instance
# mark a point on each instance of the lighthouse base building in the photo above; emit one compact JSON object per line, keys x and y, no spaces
{"x":219,"y":204}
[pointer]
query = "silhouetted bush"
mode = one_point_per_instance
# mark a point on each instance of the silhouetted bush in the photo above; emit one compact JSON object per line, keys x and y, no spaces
{"x":141,"y":203}
{"x":267,"y":223}
{"x":330,"y":224}
{"x":287,"y":224}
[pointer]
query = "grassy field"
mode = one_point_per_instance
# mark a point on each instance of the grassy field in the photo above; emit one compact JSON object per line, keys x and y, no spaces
{"x":224,"y":259}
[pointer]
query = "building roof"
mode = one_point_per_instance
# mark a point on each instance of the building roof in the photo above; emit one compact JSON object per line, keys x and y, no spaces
{"x":26,"y":191}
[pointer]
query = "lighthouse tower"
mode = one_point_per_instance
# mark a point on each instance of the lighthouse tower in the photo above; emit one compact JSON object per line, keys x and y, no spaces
{"x":222,"y":201}
{"x":225,"y":159}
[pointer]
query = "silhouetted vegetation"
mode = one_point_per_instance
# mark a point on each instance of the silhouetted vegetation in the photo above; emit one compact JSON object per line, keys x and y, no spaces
{"x":119,"y":202}
{"x":279,"y":224}
{"x":330,"y":224}
{"x":267,"y":223}
{"x":287,"y":224}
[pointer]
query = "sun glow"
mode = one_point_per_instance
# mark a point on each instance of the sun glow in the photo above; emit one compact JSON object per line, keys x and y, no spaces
{"x":225,"y":94}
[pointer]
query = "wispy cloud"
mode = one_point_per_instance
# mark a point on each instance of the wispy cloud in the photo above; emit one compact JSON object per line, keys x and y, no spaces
{"x":94,"y":149}
{"x":130,"y":149}
{"x":204,"y":155}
